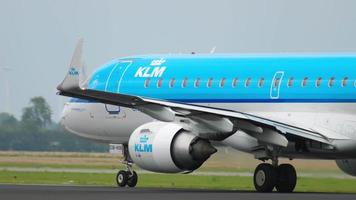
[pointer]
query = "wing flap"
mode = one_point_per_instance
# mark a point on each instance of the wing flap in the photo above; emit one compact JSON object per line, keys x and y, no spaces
{"x":283,"y":128}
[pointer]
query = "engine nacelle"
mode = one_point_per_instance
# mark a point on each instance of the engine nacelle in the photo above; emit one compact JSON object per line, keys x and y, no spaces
{"x":347,"y":166}
{"x":167,"y":147}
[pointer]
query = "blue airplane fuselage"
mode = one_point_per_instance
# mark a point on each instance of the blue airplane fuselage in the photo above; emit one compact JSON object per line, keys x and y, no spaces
{"x":232,"y":78}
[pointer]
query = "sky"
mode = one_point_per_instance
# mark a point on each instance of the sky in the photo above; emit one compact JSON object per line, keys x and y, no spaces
{"x":37,"y":37}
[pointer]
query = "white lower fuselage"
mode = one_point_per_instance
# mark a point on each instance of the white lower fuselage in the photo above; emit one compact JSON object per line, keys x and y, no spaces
{"x":94,"y":121}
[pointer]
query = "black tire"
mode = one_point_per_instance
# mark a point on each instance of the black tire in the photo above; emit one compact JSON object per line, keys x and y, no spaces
{"x":265,"y":177}
{"x":132,"y":181}
{"x":287,"y":178}
{"x":122,"y":178}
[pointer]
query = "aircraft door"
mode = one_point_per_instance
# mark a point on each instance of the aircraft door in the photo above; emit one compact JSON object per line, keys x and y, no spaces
{"x":276,"y":85}
{"x":113,"y":83}
{"x":115,"y":76}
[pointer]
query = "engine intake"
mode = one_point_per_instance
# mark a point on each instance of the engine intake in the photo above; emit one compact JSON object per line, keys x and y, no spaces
{"x":167,"y":147}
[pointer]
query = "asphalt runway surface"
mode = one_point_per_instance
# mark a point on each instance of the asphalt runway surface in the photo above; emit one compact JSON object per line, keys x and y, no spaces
{"x":38,"y":192}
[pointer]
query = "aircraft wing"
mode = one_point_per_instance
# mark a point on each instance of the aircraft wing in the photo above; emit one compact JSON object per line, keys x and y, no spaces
{"x":217,"y":121}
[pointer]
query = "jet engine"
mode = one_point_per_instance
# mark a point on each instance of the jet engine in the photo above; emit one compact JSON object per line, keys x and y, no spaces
{"x":347,"y":166}
{"x":167,"y":147}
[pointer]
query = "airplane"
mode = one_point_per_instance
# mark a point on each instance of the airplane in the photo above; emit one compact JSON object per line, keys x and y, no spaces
{"x":170,"y":112}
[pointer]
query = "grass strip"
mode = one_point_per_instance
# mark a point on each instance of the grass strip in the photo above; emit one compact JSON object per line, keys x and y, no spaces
{"x":172,"y":181}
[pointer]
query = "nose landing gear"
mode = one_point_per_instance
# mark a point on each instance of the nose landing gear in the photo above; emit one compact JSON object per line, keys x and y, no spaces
{"x":126,"y":177}
{"x":267,"y":177}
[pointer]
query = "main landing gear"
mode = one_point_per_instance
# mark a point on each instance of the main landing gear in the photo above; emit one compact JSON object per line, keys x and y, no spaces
{"x":126,"y":177}
{"x":268,"y":176}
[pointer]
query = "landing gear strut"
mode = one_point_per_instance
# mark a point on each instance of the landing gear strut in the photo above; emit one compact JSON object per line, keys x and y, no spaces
{"x":126,"y":177}
{"x":282,"y":177}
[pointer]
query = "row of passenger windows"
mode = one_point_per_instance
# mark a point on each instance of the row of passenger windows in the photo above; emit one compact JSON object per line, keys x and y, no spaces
{"x":247,"y":82}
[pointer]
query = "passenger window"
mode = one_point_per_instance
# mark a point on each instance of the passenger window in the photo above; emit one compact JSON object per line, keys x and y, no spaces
{"x":234,"y":82}
{"x":184,"y":82}
{"x":197,"y":83}
{"x":276,"y":82}
{"x":344,"y":82}
{"x":331,"y":82}
{"x":171,"y":82}
{"x":209,"y":83}
{"x":318,"y":82}
{"x":261,"y":82}
{"x":305,"y":82}
{"x":222,"y":82}
{"x":147,"y":83}
{"x":159,"y":83}
{"x":247,"y":82}
{"x":290,"y":82}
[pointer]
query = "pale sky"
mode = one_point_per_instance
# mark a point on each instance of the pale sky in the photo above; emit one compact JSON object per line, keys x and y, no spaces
{"x":37,"y":37}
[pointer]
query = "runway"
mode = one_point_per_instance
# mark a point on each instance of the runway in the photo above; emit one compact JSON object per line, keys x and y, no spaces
{"x":38,"y":192}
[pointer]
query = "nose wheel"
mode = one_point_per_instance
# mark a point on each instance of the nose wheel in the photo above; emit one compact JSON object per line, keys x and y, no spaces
{"x":267,"y":177}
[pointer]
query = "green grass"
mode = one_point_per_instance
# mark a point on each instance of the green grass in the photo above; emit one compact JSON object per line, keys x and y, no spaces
{"x":121,"y":166}
{"x":108,"y":161}
{"x":173,"y":181}
{"x":61,"y":166}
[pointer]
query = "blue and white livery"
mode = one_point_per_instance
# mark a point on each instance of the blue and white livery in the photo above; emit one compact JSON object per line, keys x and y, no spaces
{"x":169,"y":111}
